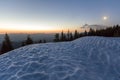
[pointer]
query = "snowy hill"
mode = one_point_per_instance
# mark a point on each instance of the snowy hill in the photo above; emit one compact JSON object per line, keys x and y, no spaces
{"x":88,"y":58}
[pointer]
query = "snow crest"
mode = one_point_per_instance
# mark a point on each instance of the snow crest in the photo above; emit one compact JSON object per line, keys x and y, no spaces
{"x":88,"y":58}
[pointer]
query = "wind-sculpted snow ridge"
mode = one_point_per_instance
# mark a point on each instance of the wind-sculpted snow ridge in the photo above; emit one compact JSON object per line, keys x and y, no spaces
{"x":88,"y":58}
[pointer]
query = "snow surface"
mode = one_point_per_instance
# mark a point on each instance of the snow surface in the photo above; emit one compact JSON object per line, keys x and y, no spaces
{"x":88,"y":58}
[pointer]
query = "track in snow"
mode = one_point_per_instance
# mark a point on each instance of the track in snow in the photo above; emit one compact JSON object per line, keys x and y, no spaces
{"x":88,"y":58}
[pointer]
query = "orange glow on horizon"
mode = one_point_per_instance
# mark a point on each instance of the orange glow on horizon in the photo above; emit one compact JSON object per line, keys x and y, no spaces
{"x":2,"y":31}
{"x":32,"y":30}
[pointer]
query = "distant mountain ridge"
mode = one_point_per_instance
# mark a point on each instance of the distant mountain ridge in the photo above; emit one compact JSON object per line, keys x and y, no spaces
{"x":22,"y":37}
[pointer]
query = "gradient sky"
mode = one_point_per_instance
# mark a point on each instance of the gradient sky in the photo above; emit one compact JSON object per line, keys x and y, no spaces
{"x":55,"y":15}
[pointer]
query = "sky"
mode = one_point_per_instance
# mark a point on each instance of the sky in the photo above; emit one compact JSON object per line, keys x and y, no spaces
{"x":56,"y":15}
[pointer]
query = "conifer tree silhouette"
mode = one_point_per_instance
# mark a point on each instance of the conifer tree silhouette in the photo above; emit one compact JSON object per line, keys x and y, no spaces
{"x":29,"y":40}
{"x":6,"y":45}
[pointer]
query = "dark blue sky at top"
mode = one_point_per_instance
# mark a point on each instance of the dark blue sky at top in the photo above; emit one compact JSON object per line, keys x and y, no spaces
{"x":62,"y":12}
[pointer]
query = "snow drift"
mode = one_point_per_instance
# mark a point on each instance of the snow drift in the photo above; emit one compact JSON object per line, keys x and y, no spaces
{"x":88,"y":58}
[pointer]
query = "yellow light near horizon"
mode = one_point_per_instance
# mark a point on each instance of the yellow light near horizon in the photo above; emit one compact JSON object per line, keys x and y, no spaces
{"x":31,"y":27}
{"x":27,"y":27}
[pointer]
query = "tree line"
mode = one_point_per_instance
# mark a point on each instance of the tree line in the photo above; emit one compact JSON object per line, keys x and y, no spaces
{"x":7,"y":44}
{"x":69,"y":36}
{"x":59,"y":37}
{"x":108,"y":32}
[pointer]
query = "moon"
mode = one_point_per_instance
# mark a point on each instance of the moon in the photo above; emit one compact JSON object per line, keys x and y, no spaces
{"x":105,"y":18}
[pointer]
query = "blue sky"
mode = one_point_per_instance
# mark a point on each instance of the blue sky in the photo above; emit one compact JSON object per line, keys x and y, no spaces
{"x":57,"y":14}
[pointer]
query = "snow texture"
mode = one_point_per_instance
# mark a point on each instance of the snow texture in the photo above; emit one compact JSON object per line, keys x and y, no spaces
{"x":88,"y":58}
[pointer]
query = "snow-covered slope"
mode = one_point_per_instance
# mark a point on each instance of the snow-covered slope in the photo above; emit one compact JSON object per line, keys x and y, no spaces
{"x":88,"y":58}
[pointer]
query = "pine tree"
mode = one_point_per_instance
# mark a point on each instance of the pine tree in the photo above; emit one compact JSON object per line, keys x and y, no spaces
{"x":44,"y":41}
{"x":71,"y":36}
{"x":76,"y":34}
{"x":68,"y":35}
{"x":40,"y":41}
{"x":62,"y":36}
{"x":6,"y":45}
{"x":85,"y":33}
{"x":56,"y":37}
{"x":29,"y":40}
{"x":91,"y":32}
{"x":23,"y":43}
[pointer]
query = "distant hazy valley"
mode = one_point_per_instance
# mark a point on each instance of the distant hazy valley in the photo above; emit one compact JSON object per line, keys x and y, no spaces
{"x":18,"y":38}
